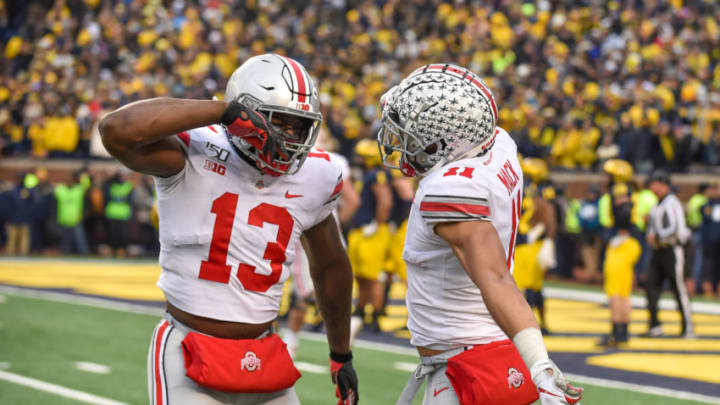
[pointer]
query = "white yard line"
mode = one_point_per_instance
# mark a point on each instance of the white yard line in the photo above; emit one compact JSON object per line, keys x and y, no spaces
{"x":94,"y":368}
{"x":405,"y":366}
{"x":664,"y":392}
{"x":82,"y":300}
{"x":311,"y":367}
{"x":637,"y":302}
{"x":390,"y":348}
{"x":57,"y":389}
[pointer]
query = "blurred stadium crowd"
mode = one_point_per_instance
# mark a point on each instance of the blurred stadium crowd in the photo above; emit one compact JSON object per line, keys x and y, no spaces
{"x":578,"y":83}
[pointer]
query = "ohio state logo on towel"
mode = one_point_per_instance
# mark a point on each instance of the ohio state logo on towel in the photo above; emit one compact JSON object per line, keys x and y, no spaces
{"x":251,"y":362}
{"x":515,"y":378}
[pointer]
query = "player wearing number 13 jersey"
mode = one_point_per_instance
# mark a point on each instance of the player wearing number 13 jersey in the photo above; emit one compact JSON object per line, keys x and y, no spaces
{"x":238,"y":186}
{"x":462,"y":301}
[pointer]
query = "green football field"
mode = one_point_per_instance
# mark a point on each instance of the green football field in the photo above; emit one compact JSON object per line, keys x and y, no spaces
{"x":44,"y":340}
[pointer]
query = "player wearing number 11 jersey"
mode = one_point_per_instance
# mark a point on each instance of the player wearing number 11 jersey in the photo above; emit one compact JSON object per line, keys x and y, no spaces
{"x":238,"y":186}
{"x":462,"y":301}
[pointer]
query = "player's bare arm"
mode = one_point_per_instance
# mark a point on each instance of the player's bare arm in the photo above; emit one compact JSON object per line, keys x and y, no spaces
{"x":547,"y":216}
{"x":350,"y":202}
{"x":383,"y":196}
{"x":137,"y":134}
{"x":333,"y":280}
{"x":478,"y":247}
{"x":404,"y":187}
{"x":332,"y":277}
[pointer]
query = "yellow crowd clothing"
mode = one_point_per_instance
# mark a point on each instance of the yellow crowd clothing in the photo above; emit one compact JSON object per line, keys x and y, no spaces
{"x":528,"y":274}
{"x":367,"y":253}
{"x":395,"y":262}
{"x":622,"y":252}
{"x":61,"y":134}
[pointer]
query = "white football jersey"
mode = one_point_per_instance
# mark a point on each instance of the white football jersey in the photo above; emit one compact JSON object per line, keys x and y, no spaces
{"x":228,"y":233}
{"x":446,"y":308}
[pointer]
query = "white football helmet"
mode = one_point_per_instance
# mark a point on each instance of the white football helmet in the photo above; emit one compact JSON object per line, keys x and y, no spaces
{"x":438,"y":114}
{"x":275,"y":84}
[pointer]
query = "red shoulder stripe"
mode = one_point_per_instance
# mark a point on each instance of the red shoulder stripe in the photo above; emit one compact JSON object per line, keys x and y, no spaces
{"x":185,"y":137}
{"x":320,"y":154}
{"x":338,"y":188}
{"x":473,"y":209}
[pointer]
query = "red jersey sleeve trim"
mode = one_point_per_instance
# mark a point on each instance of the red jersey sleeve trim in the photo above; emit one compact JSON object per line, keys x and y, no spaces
{"x":472,"y":209}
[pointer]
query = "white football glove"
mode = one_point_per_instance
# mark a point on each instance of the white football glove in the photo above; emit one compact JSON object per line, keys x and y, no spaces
{"x":535,"y":232}
{"x":370,"y":229}
{"x":553,"y":387}
{"x":546,"y":255}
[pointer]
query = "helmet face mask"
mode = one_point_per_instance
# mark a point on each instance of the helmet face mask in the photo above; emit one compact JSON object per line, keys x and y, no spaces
{"x":394,"y":140}
{"x":438,"y":114}
{"x":279,"y":88}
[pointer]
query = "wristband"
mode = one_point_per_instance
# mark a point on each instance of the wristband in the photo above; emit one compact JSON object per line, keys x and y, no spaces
{"x":340,"y":358}
{"x":529,"y":342}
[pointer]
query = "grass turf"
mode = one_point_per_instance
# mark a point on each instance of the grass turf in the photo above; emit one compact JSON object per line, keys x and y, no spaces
{"x":43,"y":340}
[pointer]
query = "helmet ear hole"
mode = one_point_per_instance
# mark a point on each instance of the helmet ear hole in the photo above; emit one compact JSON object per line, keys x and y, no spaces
{"x":436,"y":147}
{"x":394,"y":115}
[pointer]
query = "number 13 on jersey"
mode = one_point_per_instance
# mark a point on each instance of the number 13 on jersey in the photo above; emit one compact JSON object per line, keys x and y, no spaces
{"x":215,"y":268}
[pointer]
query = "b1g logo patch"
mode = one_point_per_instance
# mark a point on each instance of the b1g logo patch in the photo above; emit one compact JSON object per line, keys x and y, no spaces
{"x":515,"y":378}
{"x":250,"y":362}
{"x":214,"y":167}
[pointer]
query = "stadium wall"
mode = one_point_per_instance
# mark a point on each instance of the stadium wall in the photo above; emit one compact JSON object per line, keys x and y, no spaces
{"x":575,"y":183}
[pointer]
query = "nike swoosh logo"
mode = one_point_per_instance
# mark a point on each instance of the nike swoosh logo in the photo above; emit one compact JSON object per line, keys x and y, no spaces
{"x":436,"y":392}
{"x":288,"y":195}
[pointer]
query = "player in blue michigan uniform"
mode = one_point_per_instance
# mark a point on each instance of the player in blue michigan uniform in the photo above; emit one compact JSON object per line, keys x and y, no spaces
{"x":369,"y":237}
{"x":535,"y":249}
{"x":403,"y":190}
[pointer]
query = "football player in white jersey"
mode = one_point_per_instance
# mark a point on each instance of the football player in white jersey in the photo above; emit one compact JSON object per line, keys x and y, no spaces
{"x":462,"y":300}
{"x":238,"y":185}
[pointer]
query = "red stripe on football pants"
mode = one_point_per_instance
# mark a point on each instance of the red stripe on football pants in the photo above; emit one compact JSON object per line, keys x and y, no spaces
{"x":158,"y":348}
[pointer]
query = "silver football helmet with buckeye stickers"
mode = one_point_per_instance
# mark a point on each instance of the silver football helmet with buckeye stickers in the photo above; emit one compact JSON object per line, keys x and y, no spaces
{"x":277,"y":87}
{"x":438,"y":114}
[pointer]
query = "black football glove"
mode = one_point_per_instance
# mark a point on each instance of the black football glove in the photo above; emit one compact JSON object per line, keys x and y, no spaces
{"x":344,"y":377}
{"x":246,"y":123}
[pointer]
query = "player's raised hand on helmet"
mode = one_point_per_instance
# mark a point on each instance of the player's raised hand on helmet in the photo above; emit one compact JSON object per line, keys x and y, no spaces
{"x":243,"y":121}
{"x":344,"y":377}
{"x":553,"y":387}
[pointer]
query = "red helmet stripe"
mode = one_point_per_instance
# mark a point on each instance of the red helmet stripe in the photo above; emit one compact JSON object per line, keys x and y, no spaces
{"x":300,"y":79}
{"x":487,"y":93}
